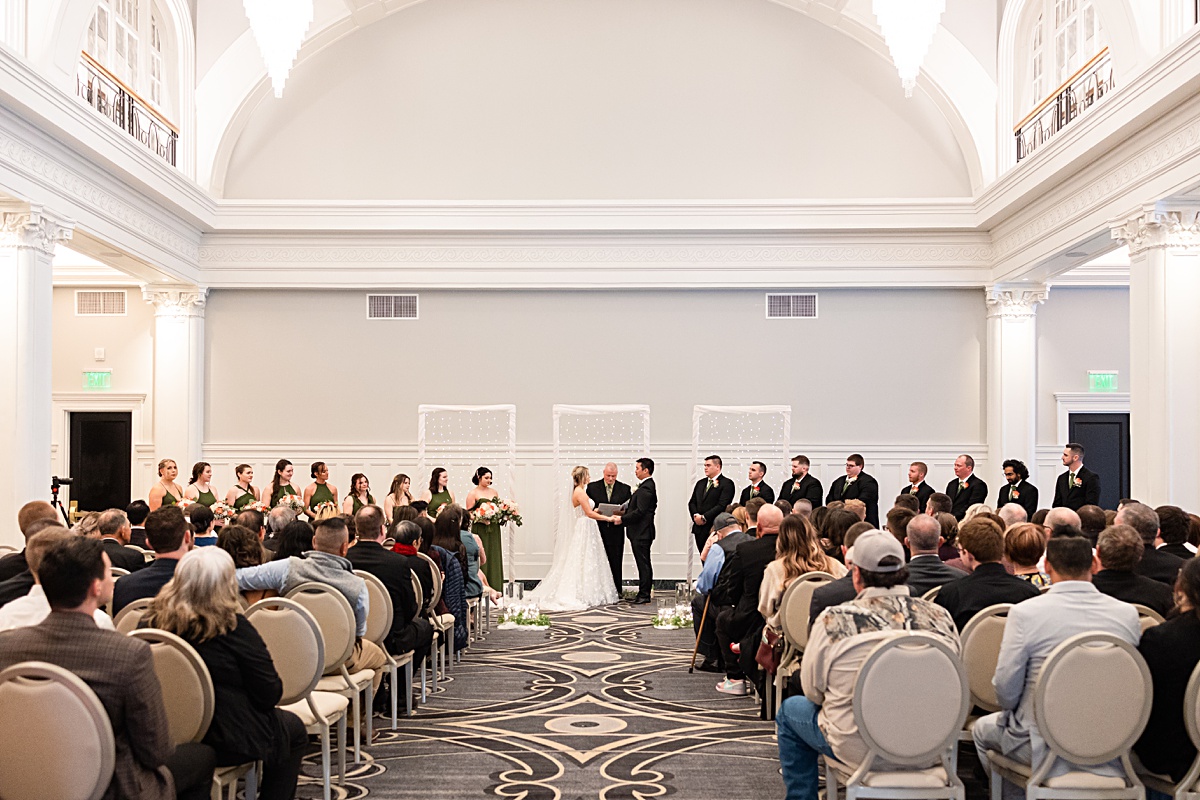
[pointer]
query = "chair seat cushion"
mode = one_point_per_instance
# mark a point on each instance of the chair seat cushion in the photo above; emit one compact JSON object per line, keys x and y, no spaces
{"x":930,"y":778}
{"x":1069,"y":780}
{"x":336,"y":683}
{"x":443,"y":622}
{"x":330,"y":706}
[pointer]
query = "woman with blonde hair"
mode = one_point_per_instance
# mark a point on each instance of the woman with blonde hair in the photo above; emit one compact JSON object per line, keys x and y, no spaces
{"x":743,"y":521}
{"x":200,"y":605}
{"x":399,"y":495}
{"x":797,"y":551}
{"x":166,"y":492}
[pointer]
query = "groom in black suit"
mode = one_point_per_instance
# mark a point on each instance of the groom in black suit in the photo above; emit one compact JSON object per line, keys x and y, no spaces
{"x":611,"y":490}
{"x":712,"y":494}
{"x":638,"y":520}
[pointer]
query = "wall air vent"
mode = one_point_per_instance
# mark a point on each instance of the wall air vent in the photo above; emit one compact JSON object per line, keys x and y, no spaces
{"x":100,"y":303}
{"x":392,"y":306}
{"x":791,"y":306}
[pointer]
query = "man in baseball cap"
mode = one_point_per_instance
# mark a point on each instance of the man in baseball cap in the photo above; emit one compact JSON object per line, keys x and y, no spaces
{"x":822,"y":721}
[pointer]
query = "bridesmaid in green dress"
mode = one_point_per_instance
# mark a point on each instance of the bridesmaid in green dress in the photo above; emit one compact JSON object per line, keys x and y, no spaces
{"x":281,"y":484}
{"x":319,"y":491}
{"x":166,"y":492}
{"x":438,"y":493}
{"x":200,"y":489}
{"x":488,"y":533}
{"x":243,"y":492}
{"x":360,"y":494}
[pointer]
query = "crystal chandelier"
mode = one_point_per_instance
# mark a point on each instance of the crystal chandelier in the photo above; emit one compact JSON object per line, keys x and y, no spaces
{"x":908,"y":28}
{"x":279,"y":27}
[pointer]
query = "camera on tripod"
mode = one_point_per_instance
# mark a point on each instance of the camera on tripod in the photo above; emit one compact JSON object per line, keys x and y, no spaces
{"x":56,"y":482}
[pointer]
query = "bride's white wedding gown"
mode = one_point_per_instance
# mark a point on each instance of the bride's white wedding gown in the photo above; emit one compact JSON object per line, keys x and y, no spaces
{"x":579,"y":575}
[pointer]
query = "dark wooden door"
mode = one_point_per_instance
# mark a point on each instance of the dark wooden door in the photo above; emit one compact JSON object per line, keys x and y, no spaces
{"x":101,"y":459}
{"x":1105,"y":438}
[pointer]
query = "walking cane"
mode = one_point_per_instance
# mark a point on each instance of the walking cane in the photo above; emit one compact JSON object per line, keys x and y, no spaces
{"x":700,"y":630}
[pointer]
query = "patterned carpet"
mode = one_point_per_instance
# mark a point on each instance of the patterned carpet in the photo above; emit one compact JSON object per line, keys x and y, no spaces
{"x":599,"y":706}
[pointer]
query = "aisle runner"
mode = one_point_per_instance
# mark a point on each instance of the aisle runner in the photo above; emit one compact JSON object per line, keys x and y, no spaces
{"x":599,"y":706}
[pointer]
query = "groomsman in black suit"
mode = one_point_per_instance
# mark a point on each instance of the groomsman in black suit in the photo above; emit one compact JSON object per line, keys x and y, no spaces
{"x":1018,"y":489}
{"x":758,"y":487}
{"x":712,"y":494}
{"x":917,"y":485}
{"x":965,"y":490}
{"x":801,"y":486}
{"x":856,"y":484}
{"x":611,"y":490}
{"x":1078,"y":486}
{"x":638,"y":520}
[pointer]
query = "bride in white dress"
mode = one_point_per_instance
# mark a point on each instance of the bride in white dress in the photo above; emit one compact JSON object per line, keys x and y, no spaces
{"x":579,"y":575}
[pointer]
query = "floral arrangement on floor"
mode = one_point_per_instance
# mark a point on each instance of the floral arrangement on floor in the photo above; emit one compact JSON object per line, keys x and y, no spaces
{"x":291,"y":501}
{"x":222,"y":512}
{"x":499,"y":512}
{"x":670,"y":619}
{"x":525,"y":617}
{"x":325,"y":510}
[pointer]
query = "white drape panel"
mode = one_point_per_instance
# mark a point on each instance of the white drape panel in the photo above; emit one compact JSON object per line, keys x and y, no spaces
{"x":739,"y":435}
{"x":464,"y":438}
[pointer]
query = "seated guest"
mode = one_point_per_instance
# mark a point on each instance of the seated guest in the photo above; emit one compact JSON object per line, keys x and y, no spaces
{"x":169,"y":537}
{"x":784,"y":506}
{"x":473,"y":579}
{"x":34,"y":607}
{"x":1119,"y":550}
{"x":408,"y":543}
{"x":803,"y":507}
{"x":842,"y":590}
{"x":421,"y":507}
{"x":14,"y":563}
{"x":975,"y":510}
{"x":797,"y":552}
{"x":897,"y":522}
{"x":115,"y":531}
{"x":858,"y":508}
{"x":1039,"y":517}
{"x":736,"y":594}
{"x":939,"y":503}
{"x":1172,"y":651}
{"x":22,"y":583}
{"x":1024,"y":546}
{"x":325,"y":563}
{"x":453,"y":557}
{"x":822,"y":721}
{"x":948,"y":552}
{"x":726,"y":536}
{"x":246,"y":550}
{"x":1155,"y":564}
{"x":750,"y":512}
{"x":294,"y":541}
{"x":1174,"y":530}
{"x":1035,"y":627}
{"x":1012,"y":514}
{"x":411,"y":631}
{"x":926,"y":570}
{"x":1091,"y":522}
{"x":277,"y":519}
{"x":76,"y":576}
{"x":743,"y":519}
{"x":200,"y":606}
{"x":837,"y":522}
{"x":1061,"y":517}
{"x":982,"y":545}
{"x":908,"y":501}
{"x":203,"y":522}
{"x":137,"y":512}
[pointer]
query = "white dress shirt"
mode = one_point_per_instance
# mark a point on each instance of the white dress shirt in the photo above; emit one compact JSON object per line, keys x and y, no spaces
{"x":34,"y":607}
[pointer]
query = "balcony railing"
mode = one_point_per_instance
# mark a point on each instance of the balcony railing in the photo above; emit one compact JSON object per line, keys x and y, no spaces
{"x":1074,"y":97}
{"x":101,"y":90}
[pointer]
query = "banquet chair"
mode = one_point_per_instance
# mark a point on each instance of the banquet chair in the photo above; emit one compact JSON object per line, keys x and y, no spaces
{"x":127,"y":619}
{"x":443,"y":624}
{"x":1147,"y":617}
{"x":980,"y":648}
{"x":379,"y":627}
{"x":794,"y":608}
{"x":1188,"y":788}
{"x":418,"y":593}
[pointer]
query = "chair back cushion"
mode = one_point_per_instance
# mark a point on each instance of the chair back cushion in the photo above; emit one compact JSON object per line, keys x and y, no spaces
{"x":1147,"y":617}
{"x":795,"y":604}
{"x":380,"y":612}
{"x":907,"y":677}
{"x":981,"y":651}
{"x":418,"y":592}
{"x":294,"y":640}
{"x":436,"y":593}
{"x":1191,"y":707}
{"x":55,"y":737}
{"x":1092,"y":698}
{"x":334,"y":617}
{"x":187,"y":687}
{"x":130,"y":616}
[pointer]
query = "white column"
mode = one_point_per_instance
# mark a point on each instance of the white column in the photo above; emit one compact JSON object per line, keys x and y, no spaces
{"x":1164,"y":354}
{"x":27,"y":239}
{"x":1012,"y":376}
{"x":178,"y":372}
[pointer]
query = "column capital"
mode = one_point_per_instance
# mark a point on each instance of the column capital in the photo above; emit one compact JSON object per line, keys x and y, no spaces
{"x":176,"y":300}
{"x":1015,"y":301}
{"x":1160,"y":227}
{"x":31,"y":227}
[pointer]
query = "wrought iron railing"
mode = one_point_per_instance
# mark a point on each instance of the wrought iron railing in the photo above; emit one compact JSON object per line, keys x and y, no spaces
{"x":1085,"y":87}
{"x":101,"y":90}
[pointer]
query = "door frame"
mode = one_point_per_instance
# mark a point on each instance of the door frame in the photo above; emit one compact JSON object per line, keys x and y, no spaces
{"x":1069,"y":403}
{"x":141,"y":456}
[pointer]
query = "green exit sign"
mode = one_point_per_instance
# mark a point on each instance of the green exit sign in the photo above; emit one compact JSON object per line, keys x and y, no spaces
{"x":1102,"y":381}
{"x":97,"y":381}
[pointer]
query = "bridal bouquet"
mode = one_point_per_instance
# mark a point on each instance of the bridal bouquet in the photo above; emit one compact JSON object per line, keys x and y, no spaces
{"x":291,"y":501}
{"x":222,"y":512}
{"x":182,"y":504}
{"x":326,"y":509}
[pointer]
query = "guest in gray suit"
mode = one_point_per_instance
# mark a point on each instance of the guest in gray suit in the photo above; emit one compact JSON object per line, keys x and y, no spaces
{"x":925,"y":569}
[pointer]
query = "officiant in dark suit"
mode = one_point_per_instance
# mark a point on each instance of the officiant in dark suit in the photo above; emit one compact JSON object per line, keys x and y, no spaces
{"x":1078,"y":486}
{"x":638,"y":521}
{"x":857,"y":485}
{"x":758,"y":487}
{"x":611,"y":490}
{"x":801,"y":486}
{"x":712,"y":494}
{"x":966,"y":489}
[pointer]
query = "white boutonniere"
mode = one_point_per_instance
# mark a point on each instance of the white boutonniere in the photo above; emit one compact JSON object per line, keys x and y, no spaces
{"x":636,"y":486}
{"x":851,"y":480}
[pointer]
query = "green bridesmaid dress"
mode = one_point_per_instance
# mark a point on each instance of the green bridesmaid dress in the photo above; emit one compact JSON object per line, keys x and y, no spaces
{"x":436,"y":502}
{"x":168,"y":499}
{"x":489,"y":534}
{"x":243,"y":500}
{"x":357,"y":504}
{"x":287,"y":488}
{"x":206,"y":498}
{"x":321,"y":494}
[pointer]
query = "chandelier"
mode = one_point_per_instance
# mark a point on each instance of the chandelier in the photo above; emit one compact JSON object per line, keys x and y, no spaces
{"x":908,"y":28}
{"x":279,"y":27}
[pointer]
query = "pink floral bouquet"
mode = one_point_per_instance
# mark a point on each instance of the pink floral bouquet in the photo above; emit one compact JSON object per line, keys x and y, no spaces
{"x":486,"y":512}
{"x":259,"y":506}
{"x":510,"y":512}
{"x":222,"y":512}
{"x":291,"y":501}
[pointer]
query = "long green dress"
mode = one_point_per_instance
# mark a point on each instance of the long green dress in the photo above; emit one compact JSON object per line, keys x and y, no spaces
{"x":287,"y":488}
{"x":243,"y":500}
{"x":206,"y":498}
{"x":321,"y":494}
{"x":168,"y":499}
{"x":489,"y":534}
{"x":357,"y":504}
{"x":436,"y":502}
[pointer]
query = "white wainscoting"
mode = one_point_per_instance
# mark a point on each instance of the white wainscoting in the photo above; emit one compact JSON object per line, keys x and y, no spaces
{"x":535,"y":481}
